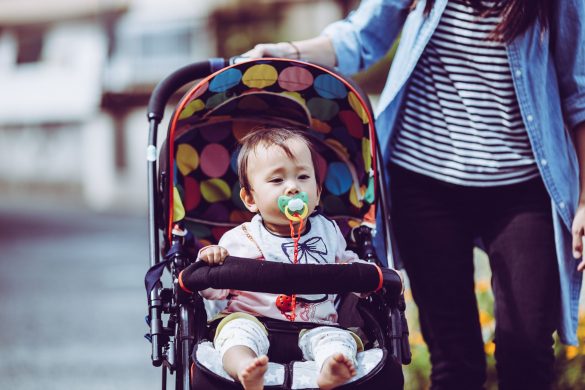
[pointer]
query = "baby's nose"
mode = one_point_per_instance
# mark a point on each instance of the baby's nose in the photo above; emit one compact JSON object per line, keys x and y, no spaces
{"x":292,"y":190}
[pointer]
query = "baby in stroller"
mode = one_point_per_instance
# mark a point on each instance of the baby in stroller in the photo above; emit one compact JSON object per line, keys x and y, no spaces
{"x":279,"y":182}
{"x":194,"y":201}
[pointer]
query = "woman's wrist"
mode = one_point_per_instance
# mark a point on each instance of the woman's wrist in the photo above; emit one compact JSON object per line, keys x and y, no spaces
{"x":289,"y":50}
{"x":297,"y":51}
{"x":318,"y":50}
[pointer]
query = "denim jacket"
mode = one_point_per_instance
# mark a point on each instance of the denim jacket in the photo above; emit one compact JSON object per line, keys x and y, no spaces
{"x":548,"y":70}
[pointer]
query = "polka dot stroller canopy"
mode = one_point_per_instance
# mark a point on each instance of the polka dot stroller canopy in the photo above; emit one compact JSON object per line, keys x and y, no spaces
{"x":202,"y":142}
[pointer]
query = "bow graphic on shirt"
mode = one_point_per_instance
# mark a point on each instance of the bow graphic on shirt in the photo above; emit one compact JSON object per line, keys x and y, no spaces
{"x":313,"y":248}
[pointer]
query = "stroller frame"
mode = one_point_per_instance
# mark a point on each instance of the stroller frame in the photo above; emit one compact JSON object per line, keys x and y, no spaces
{"x":173,"y":341}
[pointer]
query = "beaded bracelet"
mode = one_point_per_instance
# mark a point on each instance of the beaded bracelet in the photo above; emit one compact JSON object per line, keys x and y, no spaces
{"x":296,"y":49}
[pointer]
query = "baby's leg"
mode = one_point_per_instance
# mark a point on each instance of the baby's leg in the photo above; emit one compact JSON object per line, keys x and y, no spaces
{"x":242,"y":364}
{"x":336,"y":370}
{"x":334,"y":351}
{"x":243,"y":343}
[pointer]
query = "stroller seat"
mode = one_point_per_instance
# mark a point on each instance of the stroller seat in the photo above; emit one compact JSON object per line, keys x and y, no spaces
{"x":302,"y":374}
{"x":193,"y":200}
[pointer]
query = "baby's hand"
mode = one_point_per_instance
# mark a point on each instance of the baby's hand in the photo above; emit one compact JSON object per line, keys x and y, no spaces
{"x":213,"y":254}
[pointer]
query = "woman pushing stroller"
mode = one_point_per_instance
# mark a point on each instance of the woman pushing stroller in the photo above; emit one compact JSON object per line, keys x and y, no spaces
{"x":481,"y":125}
{"x":279,"y":181}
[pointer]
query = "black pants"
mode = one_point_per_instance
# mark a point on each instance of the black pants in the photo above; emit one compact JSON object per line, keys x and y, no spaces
{"x":435,"y":225}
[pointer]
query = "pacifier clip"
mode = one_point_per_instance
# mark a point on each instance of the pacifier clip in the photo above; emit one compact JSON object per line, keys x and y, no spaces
{"x":296,"y":210}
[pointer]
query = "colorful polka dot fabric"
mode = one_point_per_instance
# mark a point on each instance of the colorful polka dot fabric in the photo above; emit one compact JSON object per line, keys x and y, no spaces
{"x":221,"y":109}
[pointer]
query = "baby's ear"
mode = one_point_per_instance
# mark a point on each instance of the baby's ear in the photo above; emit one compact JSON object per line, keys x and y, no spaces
{"x":248,"y":200}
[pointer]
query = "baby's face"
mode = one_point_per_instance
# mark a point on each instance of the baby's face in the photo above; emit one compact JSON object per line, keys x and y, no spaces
{"x":272,"y":173}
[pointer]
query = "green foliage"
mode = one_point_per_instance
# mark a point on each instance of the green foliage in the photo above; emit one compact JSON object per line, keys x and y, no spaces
{"x":570,"y":361}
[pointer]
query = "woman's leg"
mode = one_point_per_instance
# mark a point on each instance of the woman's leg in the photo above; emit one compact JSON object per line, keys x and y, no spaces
{"x":525,"y":282}
{"x":432,"y":224}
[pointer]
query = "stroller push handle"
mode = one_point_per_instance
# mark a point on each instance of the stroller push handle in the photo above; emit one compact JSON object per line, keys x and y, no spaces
{"x":172,"y":83}
{"x":280,"y":278}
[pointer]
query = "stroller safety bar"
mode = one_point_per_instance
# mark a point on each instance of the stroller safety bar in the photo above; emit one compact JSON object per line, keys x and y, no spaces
{"x":280,"y":278}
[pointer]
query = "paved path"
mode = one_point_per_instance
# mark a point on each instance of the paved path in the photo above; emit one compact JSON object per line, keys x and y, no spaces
{"x":72,"y":301}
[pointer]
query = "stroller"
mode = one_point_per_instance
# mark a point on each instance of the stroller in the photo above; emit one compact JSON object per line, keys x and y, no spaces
{"x":193,"y":200}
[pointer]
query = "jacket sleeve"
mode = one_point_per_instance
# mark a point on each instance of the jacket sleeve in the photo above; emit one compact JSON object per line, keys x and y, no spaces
{"x":367,"y":33}
{"x":568,"y":40}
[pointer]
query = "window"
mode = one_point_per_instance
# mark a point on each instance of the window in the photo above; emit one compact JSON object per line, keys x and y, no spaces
{"x":30,"y":44}
{"x":164,"y":44}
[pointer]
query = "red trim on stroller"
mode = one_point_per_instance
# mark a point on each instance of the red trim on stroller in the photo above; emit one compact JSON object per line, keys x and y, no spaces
{"x":182,"y":285}
{"x":381,"y":284}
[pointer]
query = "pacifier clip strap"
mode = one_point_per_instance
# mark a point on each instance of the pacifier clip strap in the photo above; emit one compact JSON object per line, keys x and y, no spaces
{"x":296,"y":209}
{"x":295,"y":237}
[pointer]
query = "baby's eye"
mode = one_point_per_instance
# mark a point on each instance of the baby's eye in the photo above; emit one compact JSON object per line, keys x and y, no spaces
{"x":275,"y":180}
{"x":304,"y":177}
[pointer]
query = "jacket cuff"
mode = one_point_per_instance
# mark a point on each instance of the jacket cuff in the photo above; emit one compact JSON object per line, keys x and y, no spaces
{"x":575,"y":110}
{"x":346,"y":45}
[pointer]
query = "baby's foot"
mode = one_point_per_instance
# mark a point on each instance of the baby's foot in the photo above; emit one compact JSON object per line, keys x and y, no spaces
{"x":336,"y":370}
{"x":252,"y":376}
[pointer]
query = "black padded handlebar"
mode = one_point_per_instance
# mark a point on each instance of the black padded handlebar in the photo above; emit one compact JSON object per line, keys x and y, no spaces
{"x":279,"y":278}
{"x":172,"y":83}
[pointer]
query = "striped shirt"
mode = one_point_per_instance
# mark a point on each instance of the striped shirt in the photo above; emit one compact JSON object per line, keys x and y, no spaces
{"x":460,"y":118}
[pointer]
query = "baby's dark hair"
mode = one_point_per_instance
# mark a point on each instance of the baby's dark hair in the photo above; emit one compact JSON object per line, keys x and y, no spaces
{"x":271,"y":136}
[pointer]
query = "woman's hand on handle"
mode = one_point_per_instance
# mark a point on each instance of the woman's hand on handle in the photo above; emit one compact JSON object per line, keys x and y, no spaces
{"x":318,"y":50}
{"x":277,"y":50}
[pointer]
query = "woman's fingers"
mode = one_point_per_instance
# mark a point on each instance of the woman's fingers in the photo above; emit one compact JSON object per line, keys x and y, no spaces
{"x":577,"y":242}
{"x":280,"y":50}
{"x":578,"y":237}
{"x":577,"y":231}
{"x":261,"y":50}
{"x":253,"y":53}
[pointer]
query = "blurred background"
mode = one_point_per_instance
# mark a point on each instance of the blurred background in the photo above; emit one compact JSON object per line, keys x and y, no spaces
{"x":75,"y":78}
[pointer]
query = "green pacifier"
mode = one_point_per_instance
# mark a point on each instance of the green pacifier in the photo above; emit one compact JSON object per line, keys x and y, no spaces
{"x":294,"y":207}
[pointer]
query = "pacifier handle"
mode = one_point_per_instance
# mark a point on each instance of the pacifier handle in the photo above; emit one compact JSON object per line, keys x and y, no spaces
{"x":297,"y":217}
{"x":295,"y":207}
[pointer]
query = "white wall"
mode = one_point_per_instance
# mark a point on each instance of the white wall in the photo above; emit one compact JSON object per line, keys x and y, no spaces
{"x":45,"y":155}
{"x":65,"y":86}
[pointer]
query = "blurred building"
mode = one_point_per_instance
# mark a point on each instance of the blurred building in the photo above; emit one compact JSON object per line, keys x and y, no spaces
{"x":75,"y":76}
